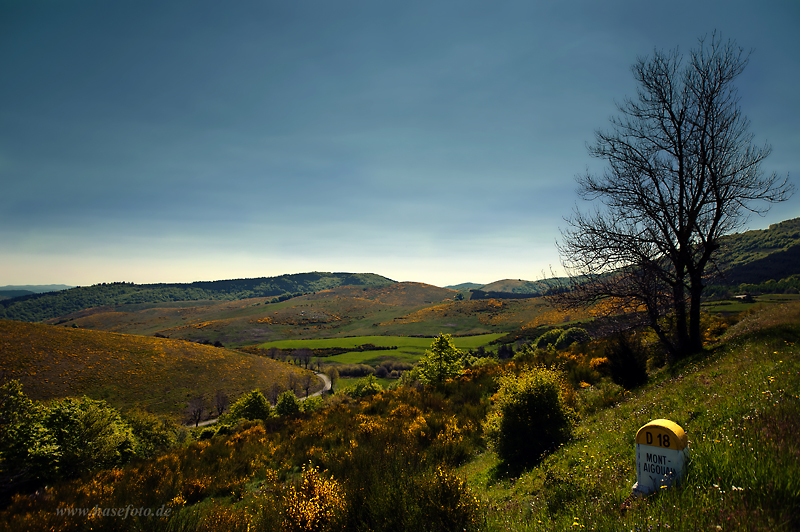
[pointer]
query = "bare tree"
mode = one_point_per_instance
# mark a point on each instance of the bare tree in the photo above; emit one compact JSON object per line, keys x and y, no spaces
{"x":195,"y":409}
{"x":221,"y":401}
{"x":275,"y":390}
{"x":682,"y":172}
{"x":292,"y":382}
{"x":303,"y":356}
{"x":307,"y":380}
{"x":333,"y":375}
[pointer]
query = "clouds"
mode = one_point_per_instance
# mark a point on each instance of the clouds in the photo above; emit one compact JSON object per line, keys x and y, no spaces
{"x":398,"y":138}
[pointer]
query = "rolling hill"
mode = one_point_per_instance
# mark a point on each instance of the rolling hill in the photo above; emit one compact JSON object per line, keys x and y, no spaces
{"x":155,"y":374}
{"x":45,"y":306}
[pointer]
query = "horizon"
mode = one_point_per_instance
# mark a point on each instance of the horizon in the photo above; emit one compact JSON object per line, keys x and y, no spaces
{"x":177,"y":141}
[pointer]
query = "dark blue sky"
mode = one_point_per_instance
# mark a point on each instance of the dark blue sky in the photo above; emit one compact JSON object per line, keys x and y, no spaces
{"x":430,"y":141}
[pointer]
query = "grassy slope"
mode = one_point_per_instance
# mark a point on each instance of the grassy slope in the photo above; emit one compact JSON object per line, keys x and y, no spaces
{"x":157,"y":374}
{"x":740,"y":406}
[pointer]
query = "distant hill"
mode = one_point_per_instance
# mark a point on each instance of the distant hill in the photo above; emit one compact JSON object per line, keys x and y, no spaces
{"x":464,"y":286}
{"x":11,"y":294}
{"x":12,"y":291}
{"x":155,"y":374}
{"x":758,"y":256}
{"x":41,"y":307}
{"x":35,"y":288}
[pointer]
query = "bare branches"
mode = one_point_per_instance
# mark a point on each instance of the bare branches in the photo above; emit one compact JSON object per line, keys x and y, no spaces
{"x":682,"y":172}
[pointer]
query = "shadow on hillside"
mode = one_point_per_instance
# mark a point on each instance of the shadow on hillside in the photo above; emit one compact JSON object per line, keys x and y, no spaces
{"x":509,"y":471}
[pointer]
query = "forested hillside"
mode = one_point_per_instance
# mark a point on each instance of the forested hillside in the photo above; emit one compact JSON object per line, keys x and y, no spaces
{"x":40,"y":307}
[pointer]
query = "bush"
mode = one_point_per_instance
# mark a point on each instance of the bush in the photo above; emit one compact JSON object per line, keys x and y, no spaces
{"x":318,"y":504}
{"x":548,"y":338}
{"x":28,"y":452}
{"x":154,"y":434}
{"x":627,"y":362}
{"x":288,"y":404}
{"x":530,"y":415}
{"x":571,"y":336}
{"x":250,"y":406}
{"x":365,"y":388}
{"x":90,"y":435}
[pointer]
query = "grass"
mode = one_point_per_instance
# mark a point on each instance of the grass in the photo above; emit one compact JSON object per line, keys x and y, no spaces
{"x":409,"y":349}
{"x":740,"y":406}
{"x":155,"y":374}
{"x":739,"y":403}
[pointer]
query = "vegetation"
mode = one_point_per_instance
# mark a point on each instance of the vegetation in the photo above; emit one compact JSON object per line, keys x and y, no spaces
{"x":40,"y":307}
{"x":422,"y":463}
{"x":155,"y":374}
{"x":682,"y":173}
{"x":530,"y":415}
{"x":442,"y":362}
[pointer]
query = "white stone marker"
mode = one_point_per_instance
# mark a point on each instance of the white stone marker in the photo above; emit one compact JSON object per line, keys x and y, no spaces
{"x":661,"y":452}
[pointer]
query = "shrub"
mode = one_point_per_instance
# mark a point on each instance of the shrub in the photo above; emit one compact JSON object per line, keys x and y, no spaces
{"x":365,"y":388}
{"x":571,"y":336}
{"x":288,"y":404}
{"x":317,"y":504}
{"x":627,"y":362}
{"x":548,"y":338}
{"x":530,"y":415}
{"x":28,"y":452}
{"x":90,"y":435}
{"x":250,"y":406}
{"x":154,"y":434}
{"x":311,"y":404}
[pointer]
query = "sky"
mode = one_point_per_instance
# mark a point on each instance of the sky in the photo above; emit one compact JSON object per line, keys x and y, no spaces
{"x":431,"y":141}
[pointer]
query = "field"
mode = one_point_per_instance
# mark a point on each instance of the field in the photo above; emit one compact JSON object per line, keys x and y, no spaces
{"x":408,"y":348}
{"x":154,"y":374}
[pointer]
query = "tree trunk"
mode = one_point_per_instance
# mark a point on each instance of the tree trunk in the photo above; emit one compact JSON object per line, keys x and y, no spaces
{"x":695,"y":329}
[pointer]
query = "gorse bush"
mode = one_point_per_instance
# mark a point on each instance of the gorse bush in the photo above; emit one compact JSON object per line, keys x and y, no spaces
{"x":316,"y":505}
{"x":530,"y":415}
{"x":381,"y":463}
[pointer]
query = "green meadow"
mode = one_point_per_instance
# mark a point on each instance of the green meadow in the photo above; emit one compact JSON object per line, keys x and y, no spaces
{"x":408,"y":348}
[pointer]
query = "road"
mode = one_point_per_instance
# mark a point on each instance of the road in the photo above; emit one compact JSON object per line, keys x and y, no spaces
{"x":326,"y":385}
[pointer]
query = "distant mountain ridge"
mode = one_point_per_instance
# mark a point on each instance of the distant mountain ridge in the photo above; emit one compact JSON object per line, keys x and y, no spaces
{"x":750,"y":260}
{"x":35,"y":288}
{"x":45,"y":306}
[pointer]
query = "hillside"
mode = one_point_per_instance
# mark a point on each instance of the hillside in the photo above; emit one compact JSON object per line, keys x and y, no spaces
{"x":755,"y":257}
{"x":414,"y":458}
{"x":45,"y":306}
{"x":517,"y":286}
{"x":156,"y":374}
{"x":331,"y":312}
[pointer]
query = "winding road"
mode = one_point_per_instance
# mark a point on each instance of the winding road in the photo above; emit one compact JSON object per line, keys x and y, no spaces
{"x":326,"y":385}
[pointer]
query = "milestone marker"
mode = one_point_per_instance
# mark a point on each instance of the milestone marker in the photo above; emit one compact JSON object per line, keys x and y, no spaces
{"x":661,"y":451}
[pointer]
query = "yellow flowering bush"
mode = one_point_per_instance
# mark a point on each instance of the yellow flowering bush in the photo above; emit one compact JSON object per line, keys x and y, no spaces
{"x":318,"y":504}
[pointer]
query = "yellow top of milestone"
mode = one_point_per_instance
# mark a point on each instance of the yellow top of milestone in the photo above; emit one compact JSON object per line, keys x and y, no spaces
{"x":663,"y":433}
